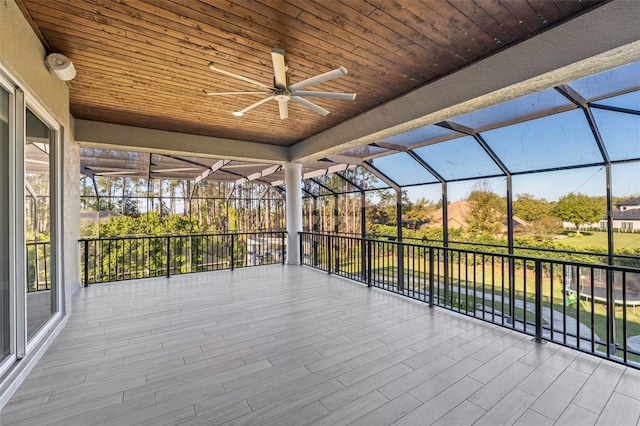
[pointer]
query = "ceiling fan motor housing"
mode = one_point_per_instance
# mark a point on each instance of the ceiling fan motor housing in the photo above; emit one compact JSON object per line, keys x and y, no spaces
{"x":282,"y":95}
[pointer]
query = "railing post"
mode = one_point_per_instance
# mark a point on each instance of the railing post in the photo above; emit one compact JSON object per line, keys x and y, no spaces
{"x":233,"y":249}
{"x":611,"y":314}
{"x":369,"y":261}
{"x":336,"y":251}
{"x":538,"y":302}
{"x":190,"y":253}
{"x":431,"y":276}
{"x":115,"y":258}
{"x":445,"y":273}
{"x":400,"y":265}
{"x":329,"y":253}
{"x":169,"y":256}
{"x":512,"y":290}
{"x":363,"y":259}
{"x":86,"y":263}
{"x":315,"y":249}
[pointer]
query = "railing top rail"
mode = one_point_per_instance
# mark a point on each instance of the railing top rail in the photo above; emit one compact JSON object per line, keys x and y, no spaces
{"x":406,"y":240}
{"x":590,"y":253}
{"x":131,"y":237}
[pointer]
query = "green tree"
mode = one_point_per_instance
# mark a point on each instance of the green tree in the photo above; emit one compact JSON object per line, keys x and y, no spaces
{"x":384,"y":210}
{"x":529,"y":208}
{"x":129,"y":207}
{"x":538,"y":212}
{"x":415,"y":215}
{"x":545,"y":227}
{"x":486,"y":210}
{"x":579,"y":209}
{"x":148,"y":224}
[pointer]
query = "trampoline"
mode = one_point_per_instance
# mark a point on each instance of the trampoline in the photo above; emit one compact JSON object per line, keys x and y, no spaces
{"x":591,"y":282}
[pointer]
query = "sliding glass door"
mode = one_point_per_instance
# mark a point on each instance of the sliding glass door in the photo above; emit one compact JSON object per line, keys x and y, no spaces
{"x":30,"y":294}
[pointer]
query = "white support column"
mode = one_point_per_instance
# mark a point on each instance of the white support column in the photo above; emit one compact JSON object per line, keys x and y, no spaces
{"x":293,"y":183}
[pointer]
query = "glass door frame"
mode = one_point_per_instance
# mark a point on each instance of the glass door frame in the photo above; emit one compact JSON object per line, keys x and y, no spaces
{"x":55,"y":206}
{"x":7,"y":86}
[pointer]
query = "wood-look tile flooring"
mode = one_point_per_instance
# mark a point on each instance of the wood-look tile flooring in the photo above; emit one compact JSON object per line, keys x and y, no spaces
{"x":288,"y":345}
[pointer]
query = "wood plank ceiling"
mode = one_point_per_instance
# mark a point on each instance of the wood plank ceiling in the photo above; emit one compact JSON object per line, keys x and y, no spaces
{"x":144,"y":62}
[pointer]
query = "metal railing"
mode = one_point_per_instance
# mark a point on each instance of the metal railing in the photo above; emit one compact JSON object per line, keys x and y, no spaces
{"x":125,"y":258}
{"x":38,"y":255}
{"x":587,"y":306}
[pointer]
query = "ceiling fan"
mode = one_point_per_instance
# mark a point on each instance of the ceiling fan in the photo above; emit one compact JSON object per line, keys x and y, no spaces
{"x":281,"y":91}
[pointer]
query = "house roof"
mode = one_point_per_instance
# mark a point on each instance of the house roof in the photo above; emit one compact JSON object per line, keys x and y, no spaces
{"x":457,"y":213}
{"x":631,"y":202}
{"x":632,"y":214}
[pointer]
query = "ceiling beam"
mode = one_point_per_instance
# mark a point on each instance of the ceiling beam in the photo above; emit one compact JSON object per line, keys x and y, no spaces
{"x":340,"y":168}
{"x":452,"y":125}
{"x":578,"y":48}
{"x":314,"y":173}
{"x":100,"y":135}
{"x":266,"y":172}
{"x":214,"y":168}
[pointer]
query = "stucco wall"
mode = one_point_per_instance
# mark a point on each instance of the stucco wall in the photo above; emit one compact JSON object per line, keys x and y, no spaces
{"x":22,"y":59}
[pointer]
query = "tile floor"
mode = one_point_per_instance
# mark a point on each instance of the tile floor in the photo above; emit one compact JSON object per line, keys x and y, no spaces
{"x":288,"y":345}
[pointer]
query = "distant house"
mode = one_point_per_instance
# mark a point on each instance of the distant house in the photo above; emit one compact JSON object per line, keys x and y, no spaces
{"x":457,"y":213}
{"x":626,"y":216}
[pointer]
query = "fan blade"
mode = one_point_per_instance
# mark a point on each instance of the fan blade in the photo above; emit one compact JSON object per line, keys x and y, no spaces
{"x":309,"y":105}
{"x":328,"y":95}
{"x":236,"y":93}
{"x":330,"y":75}
{"x":252,"y":106}
{"x":284,"y":109}
{"x":279,"y":69}
{"x":213,"y":67}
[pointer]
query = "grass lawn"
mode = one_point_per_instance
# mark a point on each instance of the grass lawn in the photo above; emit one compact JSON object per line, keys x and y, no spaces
{"x":599,"y":239}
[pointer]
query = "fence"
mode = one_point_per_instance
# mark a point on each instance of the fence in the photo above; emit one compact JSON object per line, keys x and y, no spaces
{"x":588,"y":306}
{"x":126,"y":258}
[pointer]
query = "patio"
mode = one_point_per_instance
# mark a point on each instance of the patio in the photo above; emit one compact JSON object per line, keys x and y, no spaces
{"x":291,"y":345}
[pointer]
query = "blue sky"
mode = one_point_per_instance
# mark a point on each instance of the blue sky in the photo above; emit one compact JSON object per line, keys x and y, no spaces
{"x":559,"y":139}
